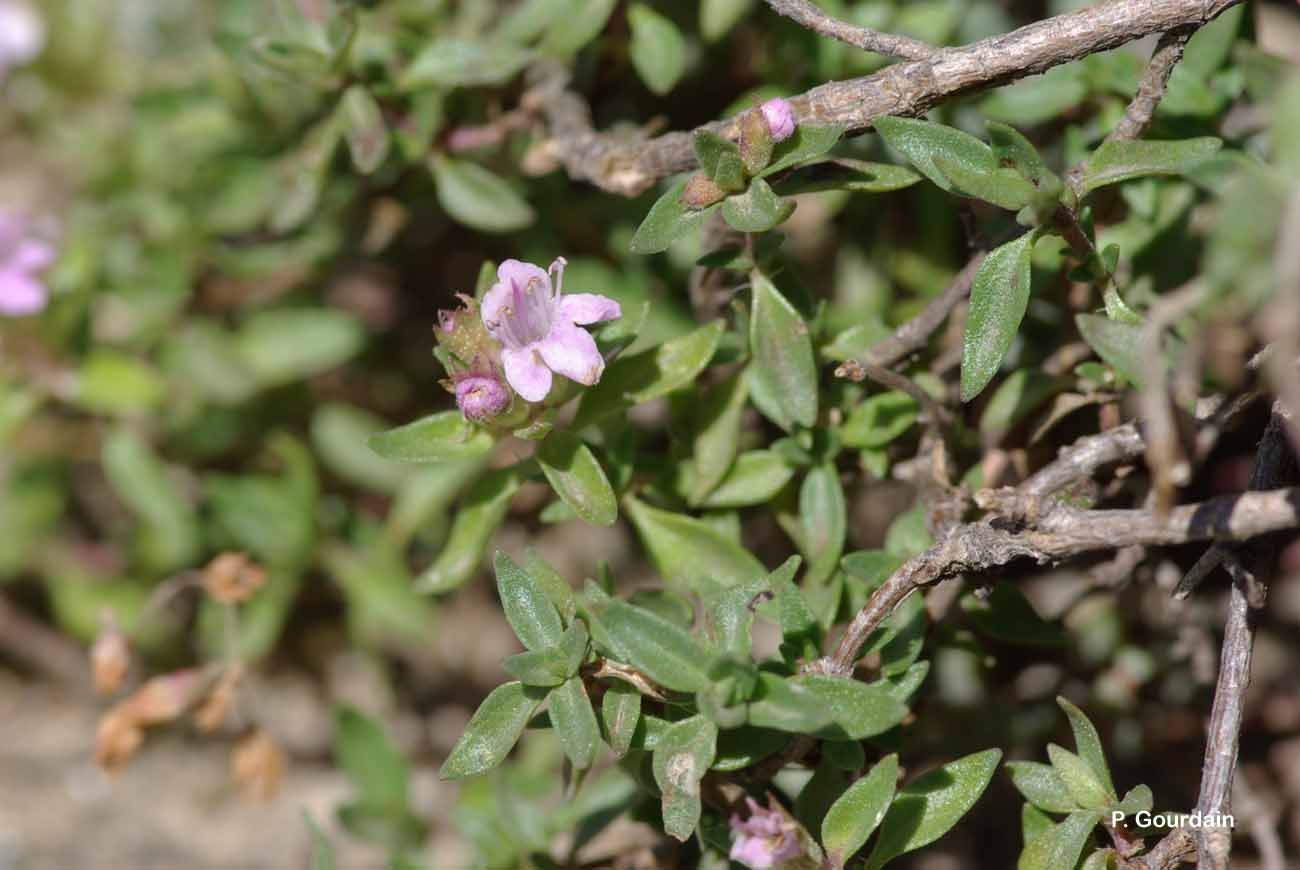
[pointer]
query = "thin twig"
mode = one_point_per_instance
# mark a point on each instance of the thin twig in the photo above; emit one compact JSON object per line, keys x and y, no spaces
{"x":631,"y":164}
{"x":1274,"y":464}
{"x":913,"y":335}
{"x":1165,"y":455}
{"x":1138,"y":115}
{"x":857,"y":371}
{"x":1060,"y":533}
{"x":865,"y":38}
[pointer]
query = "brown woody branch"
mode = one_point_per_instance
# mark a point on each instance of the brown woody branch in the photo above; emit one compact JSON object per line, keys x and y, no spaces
{"x":1142,"y":108}
{"x":631,"y":164}
{"x":865,"y":38}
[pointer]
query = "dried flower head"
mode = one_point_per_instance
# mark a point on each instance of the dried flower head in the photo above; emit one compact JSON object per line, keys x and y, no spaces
{"x":117,"y":738}
{"x":765,"y":839}
{"x":257,"y":765}
{"x":780,"y":118}
{"x":110,"y":657}
{"x":164,"y":698}
{"x":232,"y":578}
{"x":539,"y":327}
{"x":214,"y":709}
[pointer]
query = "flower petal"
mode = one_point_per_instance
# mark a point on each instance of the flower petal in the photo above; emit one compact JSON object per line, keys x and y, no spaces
{"x":526,"y":373}
{"x":589,"y":308}
{"x":21,"y":295}
{"x":572,"y":352}
{"x":512,"y":277}
{"x":32,"y":255}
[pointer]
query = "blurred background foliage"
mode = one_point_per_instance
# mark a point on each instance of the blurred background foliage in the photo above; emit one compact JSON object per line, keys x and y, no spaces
{"x":261,"y":205}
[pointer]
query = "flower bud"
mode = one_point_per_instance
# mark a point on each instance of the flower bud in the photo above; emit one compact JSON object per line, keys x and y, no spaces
{"x":755,"y":141}
{"x":232,"y":578}
{"x":780,"y":118}
{"x":257,"y":766}
{"x":481,"y":396}
{"x":701,"y":192}
{"x":110,"y":658}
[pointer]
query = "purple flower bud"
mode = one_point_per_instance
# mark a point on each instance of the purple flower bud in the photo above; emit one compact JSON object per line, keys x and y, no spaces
{"x":767,"y":838}
{"x":780,"y":118}
{"x":481,"y":397}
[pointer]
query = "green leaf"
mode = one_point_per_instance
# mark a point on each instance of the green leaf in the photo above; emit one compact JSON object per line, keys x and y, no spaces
{"x":843,"y":173}
{"x":807,"y":141}
{"x":114,"y":383}
{"x":337,"y":431}
{"x":548,"y":667}
{"x":620,"y":710}
{"x":857,"y":709}
{"x":448,"y":62}
{"x":630,"y":380}
{"x":171,"y":536}
{"x":493,"y":730}
{"x":682,"y":757}
{"x":668,"y":220}
{"x":371,"y":761}
{"x":781,"y":704}
{"x":574,"y":722}
{"x":1007,"y":615}
{"x":783,"y":368}
{"x":718,"y":17}
{"x":665,"y":653}
{"x":1118,"y":343}
{"x":754,"y":478}
{"x":1061,"y":846}
{"x":853,"y":817}
{"x":478,"y":198}
{"x":657,"y":48}
{"x":846,"y":755}
{"x":731,"y":616}
{"x":576,"y":476}
{"x":716,"y":435}
{"x":1138,"y":799}
{"x":289,"y":344}
{"x":1101,"y":859}
{"x":998,"y":300}
{"x":903,"y":686}
{"x":1013,"y":149}
{"x":1004,"y":188}
{"x":927,"y":808}
{"x":1042,"y":786}
{"x":583,"y":23}
{"x":1079,"y":778}
{"x":879,"y":420}
{"x":823,"y":514}
{"x":1121,"y":160}
{"x":922,"y":141}
{"x":322,"y":850}
{"x":437,"y":438}
{"x":686,"y":550}
{"x":556,"y":587}
{"x":757,"y":210}
{"x":1034,"y":822}
{"x":1016,"y":397}
{"x":527,"y":607}
{"x":800,"y":631}
{"x":1088,"y":743}
{"x":362,"y":124}
{"x":711,"y":149}
{"x":481,"y":511}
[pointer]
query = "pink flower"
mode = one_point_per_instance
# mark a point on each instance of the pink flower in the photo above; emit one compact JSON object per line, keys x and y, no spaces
{"x":780,"y":118}
{"x":21,"y":258}
{"x":539,"y":328}
{"x":767,"y":838}
{"x":22,"y":34}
